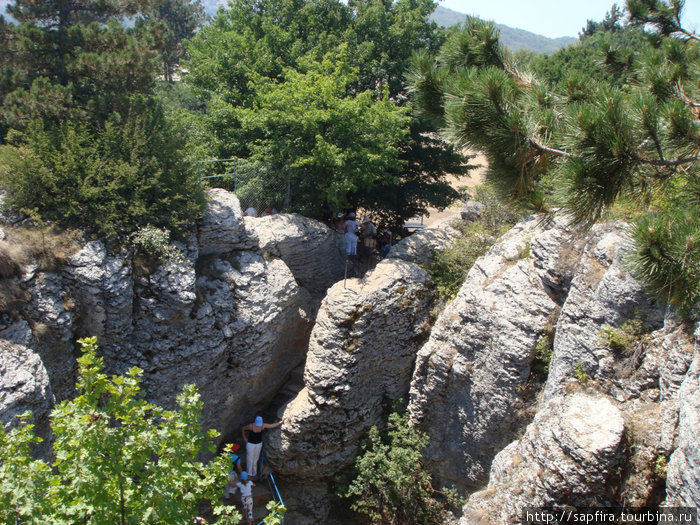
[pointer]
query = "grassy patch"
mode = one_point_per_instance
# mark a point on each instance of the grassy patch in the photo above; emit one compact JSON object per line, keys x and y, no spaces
{"x":450,"y":267}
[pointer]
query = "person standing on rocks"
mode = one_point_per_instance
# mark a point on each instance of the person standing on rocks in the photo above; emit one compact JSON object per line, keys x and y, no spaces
{"x":246,"y":487}
{"x":351,"y":227}
{"x":252,"y":435}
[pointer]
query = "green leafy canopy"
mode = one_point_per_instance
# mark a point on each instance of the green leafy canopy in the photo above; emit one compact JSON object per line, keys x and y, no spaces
{"x":118,"y":458}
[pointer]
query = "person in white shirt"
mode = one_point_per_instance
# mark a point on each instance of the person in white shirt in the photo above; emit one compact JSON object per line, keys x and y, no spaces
{"x":246,"y":488}
{"x":351,"y":227}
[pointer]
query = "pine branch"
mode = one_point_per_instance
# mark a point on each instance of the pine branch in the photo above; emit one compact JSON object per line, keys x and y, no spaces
{"x":553,"y":151}
{"x":668,"y":163}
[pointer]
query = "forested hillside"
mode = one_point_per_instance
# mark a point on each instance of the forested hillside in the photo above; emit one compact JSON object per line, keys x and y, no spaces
{"x":513,"y":38}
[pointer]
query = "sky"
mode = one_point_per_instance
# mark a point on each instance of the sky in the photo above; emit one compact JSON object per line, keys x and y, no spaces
{"x":552,"y":18}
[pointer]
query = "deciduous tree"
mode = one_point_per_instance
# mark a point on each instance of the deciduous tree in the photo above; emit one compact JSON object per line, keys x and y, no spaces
{"x":118,"y":458}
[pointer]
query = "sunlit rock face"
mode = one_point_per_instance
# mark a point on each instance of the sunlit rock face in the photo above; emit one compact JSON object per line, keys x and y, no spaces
{"x":466,"y":386}
{"x":361,"y":356}
{"x":566,"y":457}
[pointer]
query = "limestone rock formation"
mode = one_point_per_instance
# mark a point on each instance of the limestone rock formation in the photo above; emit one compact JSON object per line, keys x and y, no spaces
{"x":24,"y":385}
{"x":313,"y":253}
{"x":683,"y":475}
{"x":567,"y":456}
{"x":229,"y":315}
{"x":603,"y":296}
{"x":465,"y":390}
{"x":420,"y":246}
{"x":221,"y":228}
{"x":361,"y":355}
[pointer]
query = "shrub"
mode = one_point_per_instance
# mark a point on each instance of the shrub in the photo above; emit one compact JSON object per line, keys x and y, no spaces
{"x":450,"y":267}
{"x":109,"y":178}
{"x":155,"y":242}
{"x":391,"y":485}
{"x":118,"y":458}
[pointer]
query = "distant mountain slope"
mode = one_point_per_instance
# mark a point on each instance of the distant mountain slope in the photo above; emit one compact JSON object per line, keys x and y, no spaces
{"x":514,"y":39}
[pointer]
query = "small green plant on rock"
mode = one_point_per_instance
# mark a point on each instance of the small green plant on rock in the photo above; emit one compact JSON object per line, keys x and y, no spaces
{"x":155,"y":242}
{"x":581,"y":374}
{"x":622,"y":339}
{"x":543,"y":353}
{"x":660,"y":466}
{"x":391,"y":485}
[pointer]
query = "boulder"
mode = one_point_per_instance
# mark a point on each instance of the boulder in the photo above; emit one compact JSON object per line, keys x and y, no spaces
{"x":221,"y":228}
{"x":24,"y":385}
{"x":567,"y":456}
{"x":312,"y":251}
{"x":361,"y":355}
{"x":420,"y":246}
{"x":472,"y":211}
{"x":467,"y":383}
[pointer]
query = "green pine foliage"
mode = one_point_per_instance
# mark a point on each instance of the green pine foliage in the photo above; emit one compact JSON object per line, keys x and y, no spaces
{"x":391,"y":486}
{"x":582,"y":144}
{"x":118,"y":458}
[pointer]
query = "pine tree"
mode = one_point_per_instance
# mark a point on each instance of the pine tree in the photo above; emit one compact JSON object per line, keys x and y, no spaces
{"x":588,"y":146}
{"x":174,"y":21}
{"x":74,"y":58}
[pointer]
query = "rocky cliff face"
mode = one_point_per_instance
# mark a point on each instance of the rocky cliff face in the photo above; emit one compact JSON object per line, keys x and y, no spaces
{"x":568,"y":456}
{"x":233,"y":315}
{"x":238,"y":312}
{"x":467,"y":383}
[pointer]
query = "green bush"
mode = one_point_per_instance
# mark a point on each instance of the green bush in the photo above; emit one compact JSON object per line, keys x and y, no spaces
{"x":622,"y":339}
{"x":118,"y":458}
{"x":391,"y":485}
{"x":450,"y":267}
{"x":108,"y":179}
{"x":155,"y":242}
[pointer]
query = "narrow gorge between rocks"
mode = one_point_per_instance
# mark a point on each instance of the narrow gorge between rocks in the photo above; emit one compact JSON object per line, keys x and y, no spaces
{"x":257,"y":315}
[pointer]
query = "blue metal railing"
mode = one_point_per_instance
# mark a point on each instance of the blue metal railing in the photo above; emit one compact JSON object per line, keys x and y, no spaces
{"x":276,"y":496}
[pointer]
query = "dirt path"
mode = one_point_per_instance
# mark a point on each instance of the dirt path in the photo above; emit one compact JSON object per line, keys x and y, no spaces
{"x":475,"y":178}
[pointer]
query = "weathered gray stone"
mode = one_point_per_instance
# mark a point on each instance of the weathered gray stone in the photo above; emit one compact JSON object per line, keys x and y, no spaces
{"x":472,"y":211}
{"x":683,"y":474}
{"x":312,"y":251}
{"x":602,"y":295}
{"x":103,"y":291}
{"x":236,"y":330}
{"x":566,"y":457}
{"x":221,"y":228}
{"x":420,"y":247}
{"x":465,"y":391}
{"x":24,"y":385}
{"x":361,"y":354}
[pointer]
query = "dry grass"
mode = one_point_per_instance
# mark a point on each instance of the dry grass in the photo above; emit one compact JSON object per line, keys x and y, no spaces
{"x":10,"y":260}
{"x":11,"y":296}
{"x":49,"y":248}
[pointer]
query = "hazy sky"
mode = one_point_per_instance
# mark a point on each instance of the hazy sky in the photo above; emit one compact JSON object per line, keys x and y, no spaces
{"x":552,"y":18}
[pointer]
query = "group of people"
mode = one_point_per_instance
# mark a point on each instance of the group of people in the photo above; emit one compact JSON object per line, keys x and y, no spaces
{"x":362,"y":233}
{"x":243,"y":480}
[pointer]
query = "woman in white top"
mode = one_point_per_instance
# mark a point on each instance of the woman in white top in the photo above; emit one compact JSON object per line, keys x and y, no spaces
{"x":351,"y":227}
